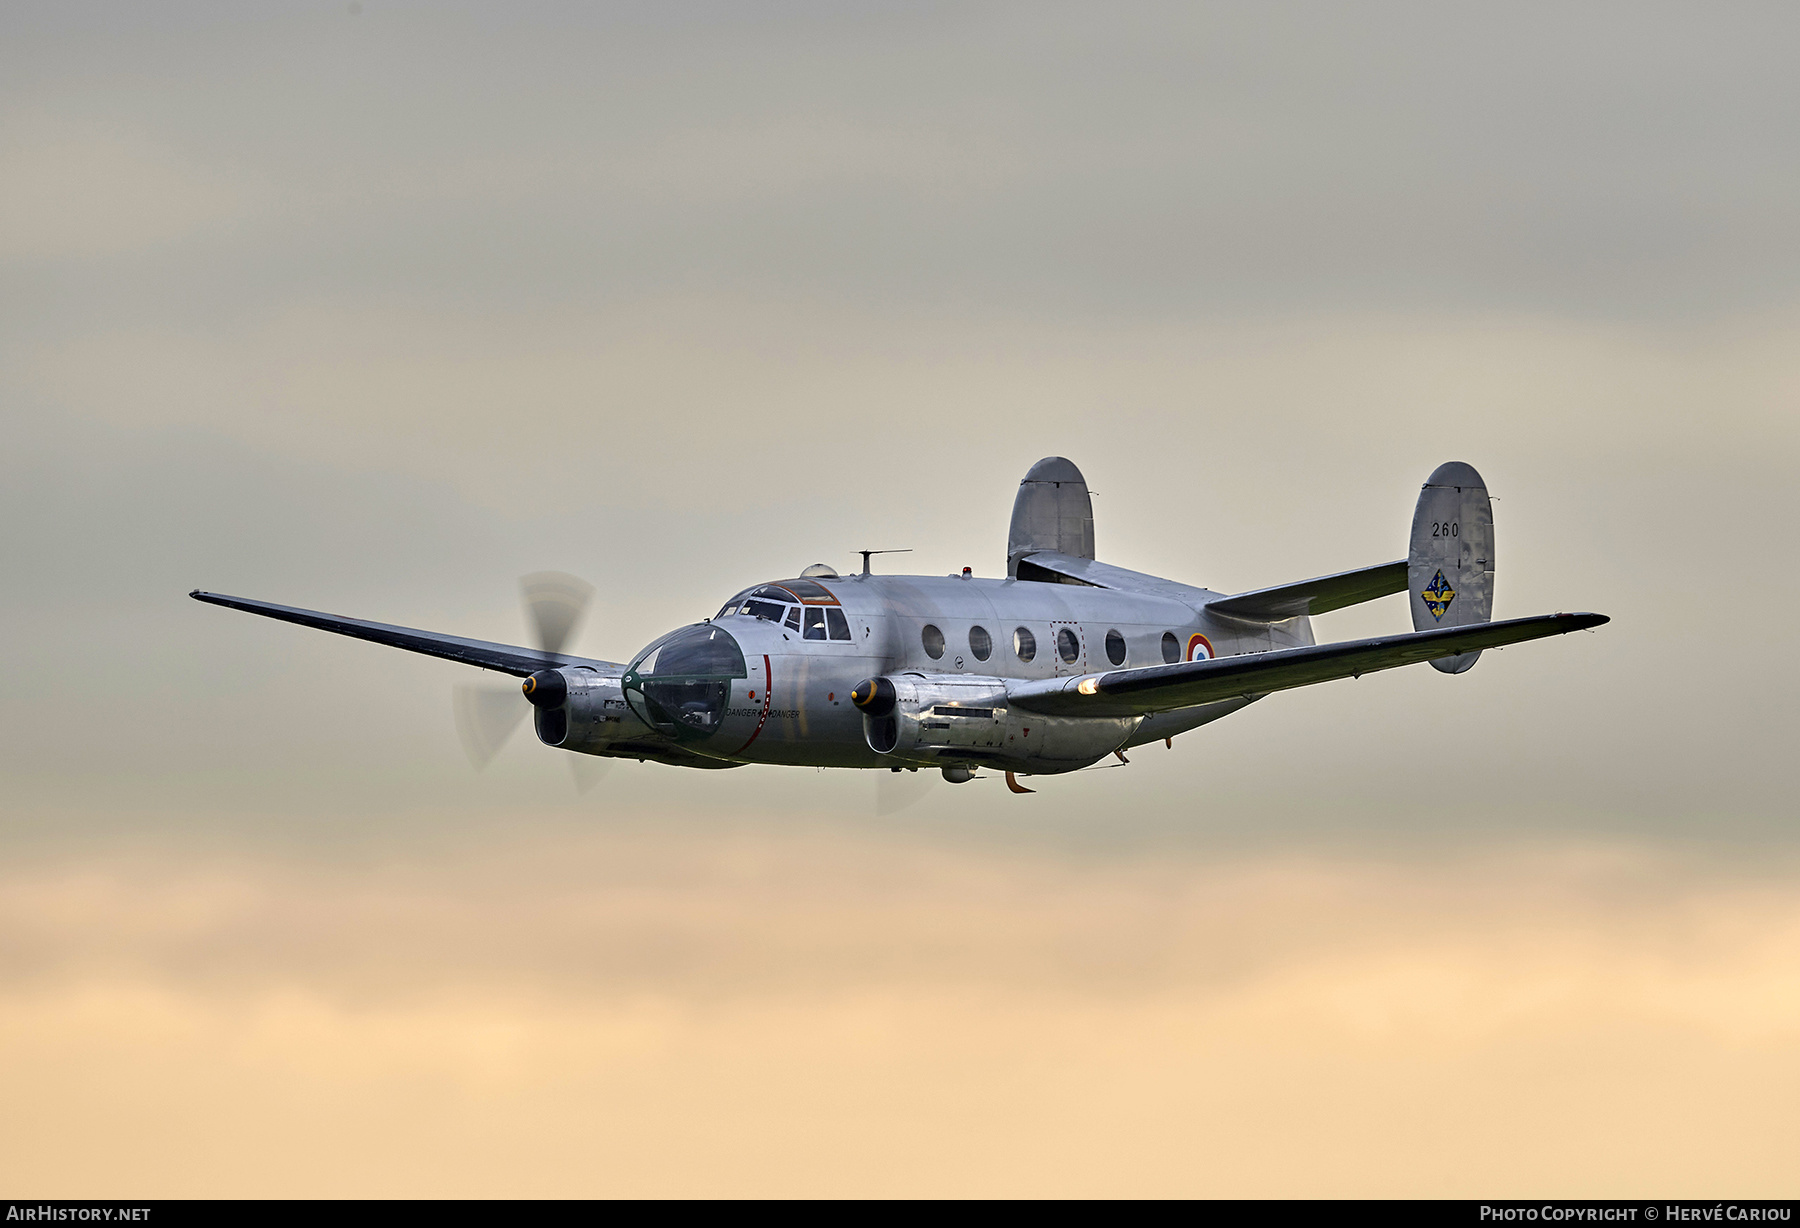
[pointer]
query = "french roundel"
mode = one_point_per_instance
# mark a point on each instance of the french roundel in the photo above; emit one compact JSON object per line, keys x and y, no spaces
{"x":1199,"y":648}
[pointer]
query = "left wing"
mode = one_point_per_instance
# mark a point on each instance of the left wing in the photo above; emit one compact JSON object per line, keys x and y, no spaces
{"x":1162,"y":688}
{"x":519,"y":662}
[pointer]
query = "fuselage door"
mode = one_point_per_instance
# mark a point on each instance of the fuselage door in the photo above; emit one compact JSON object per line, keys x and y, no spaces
{"x":1070,"y":647}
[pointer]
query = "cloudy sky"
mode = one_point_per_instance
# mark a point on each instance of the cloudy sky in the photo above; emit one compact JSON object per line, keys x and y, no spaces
{"x":374,"y":308}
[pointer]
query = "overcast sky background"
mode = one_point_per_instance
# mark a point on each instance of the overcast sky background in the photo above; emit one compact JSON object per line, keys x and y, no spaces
{"x":375,"y":309}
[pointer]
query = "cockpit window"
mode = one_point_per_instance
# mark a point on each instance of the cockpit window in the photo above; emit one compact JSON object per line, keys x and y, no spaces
{"x":783,"y":603}
{"x":810,"y":592}
{"x":821,"y":624}
{"x":734,"y":606}
{"x":768,"y":603}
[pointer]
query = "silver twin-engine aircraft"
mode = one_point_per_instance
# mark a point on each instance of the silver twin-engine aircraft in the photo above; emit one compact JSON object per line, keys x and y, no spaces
{"x":1062,"y":663}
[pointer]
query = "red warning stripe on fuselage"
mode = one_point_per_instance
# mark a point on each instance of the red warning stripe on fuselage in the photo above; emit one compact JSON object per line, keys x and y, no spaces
{"x":763,"y":719}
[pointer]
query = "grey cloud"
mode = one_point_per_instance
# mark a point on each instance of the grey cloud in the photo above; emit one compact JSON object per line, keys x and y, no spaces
{"x":1609,"y":161}
{"x":437,"y":298}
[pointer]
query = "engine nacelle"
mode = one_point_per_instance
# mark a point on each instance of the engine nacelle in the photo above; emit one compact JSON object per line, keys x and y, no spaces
{"x":941,"y":720}
{"x":586,"y":710}
{"x":916,"y":717}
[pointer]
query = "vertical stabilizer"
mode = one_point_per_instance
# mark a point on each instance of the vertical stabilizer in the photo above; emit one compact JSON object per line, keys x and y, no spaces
{"x":1450,"y":562}
{"x":1052,"y":512}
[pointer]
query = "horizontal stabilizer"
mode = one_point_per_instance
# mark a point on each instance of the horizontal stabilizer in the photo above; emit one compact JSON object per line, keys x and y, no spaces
{"x":1319,"y":595}
{"x":1053,"y":567}
{"x":506,"y":658}
{"x":1163,"y":688}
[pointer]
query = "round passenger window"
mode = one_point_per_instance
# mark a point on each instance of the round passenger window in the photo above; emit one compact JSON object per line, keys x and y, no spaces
{"x":933,"y":639}
{"x":1115,"y":648}
{"x":1024,"y":644}
{"x":1067,"y":646}
{"x":1171,"y":647}
{"x":980,"y":643}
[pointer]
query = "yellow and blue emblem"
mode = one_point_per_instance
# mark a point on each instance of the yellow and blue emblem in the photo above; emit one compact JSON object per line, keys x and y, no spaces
{"x":1438,"y":595}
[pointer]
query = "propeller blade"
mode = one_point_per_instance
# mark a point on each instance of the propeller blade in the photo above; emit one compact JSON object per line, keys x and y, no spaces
{"x":895,"y":791}
{"x":555,"y":603}
{"x":588,"y":771}
{"x":485,"y":717}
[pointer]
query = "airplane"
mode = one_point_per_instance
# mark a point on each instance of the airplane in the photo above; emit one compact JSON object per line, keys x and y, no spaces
{"x":1063,"y":662}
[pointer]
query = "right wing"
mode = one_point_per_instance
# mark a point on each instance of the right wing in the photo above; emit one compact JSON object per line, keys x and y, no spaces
{"x":1162,"y":688}
{"x":506,"y":658}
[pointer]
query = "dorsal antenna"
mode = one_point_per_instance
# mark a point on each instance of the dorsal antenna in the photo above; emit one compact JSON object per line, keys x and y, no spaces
{"x":867,"y":553}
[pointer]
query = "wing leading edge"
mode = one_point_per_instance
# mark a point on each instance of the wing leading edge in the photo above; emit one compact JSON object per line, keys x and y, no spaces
{"x":506,"y":658}
{"x":1162,"y":688}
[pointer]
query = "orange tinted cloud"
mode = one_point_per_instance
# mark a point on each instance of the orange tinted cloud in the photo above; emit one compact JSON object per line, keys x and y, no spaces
{"x":824,"y":1011}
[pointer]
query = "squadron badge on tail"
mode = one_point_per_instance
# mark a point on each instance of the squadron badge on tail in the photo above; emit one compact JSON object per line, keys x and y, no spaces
{"x":1438,"y":595}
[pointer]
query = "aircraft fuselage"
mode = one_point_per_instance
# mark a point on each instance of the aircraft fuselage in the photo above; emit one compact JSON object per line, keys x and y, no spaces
{"x":960,"y":638}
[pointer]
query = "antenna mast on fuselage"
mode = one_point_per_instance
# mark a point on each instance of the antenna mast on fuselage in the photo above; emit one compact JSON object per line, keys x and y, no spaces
{"x":866,"y":553}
